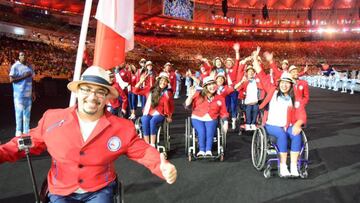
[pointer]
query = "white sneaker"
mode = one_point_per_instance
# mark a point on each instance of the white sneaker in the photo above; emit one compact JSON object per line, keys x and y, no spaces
{"x":253,"y":127}
{"x":233,"y":124}
{"x":247,"y":127}
{"x":351,"y":92}
{"x":200,"y":153}
{"x":132,"y":117}
{"x":294,"y":170}
{"x":208,"y":153}
{"x":284,"y":172}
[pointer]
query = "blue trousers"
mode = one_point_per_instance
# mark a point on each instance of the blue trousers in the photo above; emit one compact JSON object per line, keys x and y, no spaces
{"x":105,"y":195}
{"x":22,"y":114}
{"x":231,"y":103}
{"x":148,"y":124}
{"x":282,"y":138}
{"x":205,"y":131}
{"x":251,"y":113}
{"x":143,"y":101}
{"x":132,"y":100}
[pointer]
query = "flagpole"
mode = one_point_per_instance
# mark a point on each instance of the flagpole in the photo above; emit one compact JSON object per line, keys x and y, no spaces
{"x":81,"y":46}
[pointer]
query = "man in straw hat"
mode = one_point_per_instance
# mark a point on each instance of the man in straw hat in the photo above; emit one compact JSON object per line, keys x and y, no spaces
{"x":301,"y":87}
{"x":84,"y":141}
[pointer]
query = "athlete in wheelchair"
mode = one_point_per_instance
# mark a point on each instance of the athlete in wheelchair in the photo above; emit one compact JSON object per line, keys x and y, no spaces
{"x":284,"y":120}
{"x":159,"y":105}
{"x":207,"y":107}
{"x":162,"y":135}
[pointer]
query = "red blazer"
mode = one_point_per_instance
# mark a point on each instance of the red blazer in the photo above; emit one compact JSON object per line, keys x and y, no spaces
{"x":226,"y":91}
{"x":301,"y":90}
{"x":294,"y":113}
{"x":216,"y":108}
{"x":240,"y":73}
{"x":149,"y":81}
{"x":243,"y":87}
{"x":233,"y":71}
{"x":115,"y":102}
{"x":277,"y":72}
{"x":133,"y":80}
{"x":125,"y":75}
{"x":75,"y":163}
{"x":166,"y":103}
{"x":172,"y":77}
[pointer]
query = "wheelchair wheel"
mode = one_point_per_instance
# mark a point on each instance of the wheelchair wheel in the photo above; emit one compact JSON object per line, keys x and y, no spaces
{"x":187,"y":133}
{"x":258,"y":148}
{"x":303,"y":171}
{"x":267,"y":171}
{"x":223,"y":136}
{"x":304,"y":157}
{"x":166,"y":136}
{"x":222,"y":157}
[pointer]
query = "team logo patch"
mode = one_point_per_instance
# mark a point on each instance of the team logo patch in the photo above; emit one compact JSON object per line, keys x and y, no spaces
{"x":301,"y":87}
{"x":257,"y":80}
{"x":114,"y":144}
{"x":297,"y":104}
{"x":218,"y":103}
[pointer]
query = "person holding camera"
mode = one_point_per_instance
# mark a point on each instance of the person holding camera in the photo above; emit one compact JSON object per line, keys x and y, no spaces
{"x":21,"y":76}
{"x":84,"y":141}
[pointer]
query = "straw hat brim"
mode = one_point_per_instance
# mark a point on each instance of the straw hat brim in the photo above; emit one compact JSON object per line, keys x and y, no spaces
{"x":73,"y":86}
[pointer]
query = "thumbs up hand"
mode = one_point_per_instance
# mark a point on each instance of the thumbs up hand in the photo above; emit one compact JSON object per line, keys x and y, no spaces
{"x":167,"y":169}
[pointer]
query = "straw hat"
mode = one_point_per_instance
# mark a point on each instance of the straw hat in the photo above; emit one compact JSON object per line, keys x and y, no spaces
{"x":96,"y":76}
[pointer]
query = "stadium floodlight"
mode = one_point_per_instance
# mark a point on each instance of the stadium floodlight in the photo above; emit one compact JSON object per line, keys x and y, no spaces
{"x":19,"y":31}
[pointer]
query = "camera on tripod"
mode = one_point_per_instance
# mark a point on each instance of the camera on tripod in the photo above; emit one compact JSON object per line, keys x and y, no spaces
{"x":25,"y":142}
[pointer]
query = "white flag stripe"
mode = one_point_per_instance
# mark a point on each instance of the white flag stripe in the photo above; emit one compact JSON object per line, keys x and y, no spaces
{"x":119,"y":16}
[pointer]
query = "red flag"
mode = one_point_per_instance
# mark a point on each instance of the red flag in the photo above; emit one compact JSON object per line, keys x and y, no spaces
{"x":114,"y":32}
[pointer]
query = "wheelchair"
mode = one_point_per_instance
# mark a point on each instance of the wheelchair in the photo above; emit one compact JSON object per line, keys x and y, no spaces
{"x":162,"y":135}
{"x":191,"y":142}
{"x":118,"y":192}
{"x":265,"y":153}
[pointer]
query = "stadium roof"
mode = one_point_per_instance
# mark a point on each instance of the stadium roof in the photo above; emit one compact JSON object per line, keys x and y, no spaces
{"x":143,"y":6}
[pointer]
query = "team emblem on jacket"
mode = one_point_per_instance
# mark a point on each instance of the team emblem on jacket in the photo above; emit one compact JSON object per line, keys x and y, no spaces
{"x":114,"y":144}
{"x":301,"y":87}
{"x":297,"y":104}
{"x":219,"y":103}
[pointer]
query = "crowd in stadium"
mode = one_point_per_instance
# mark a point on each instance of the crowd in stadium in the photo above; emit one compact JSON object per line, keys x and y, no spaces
{"x":53,"y":60}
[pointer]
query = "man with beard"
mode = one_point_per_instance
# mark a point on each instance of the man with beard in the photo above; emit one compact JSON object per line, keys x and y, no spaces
{"x":84,"y":141}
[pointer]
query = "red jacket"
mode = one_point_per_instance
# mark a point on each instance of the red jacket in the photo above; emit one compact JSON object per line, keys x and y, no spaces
{"x":133,"y":80}
{"x":172,"y":77}
{"x":277,"y":72}
{"x":233,"y":72}
{"x":115,"y":102}
{"x":294,"y":113}
{"x":125,"y":75}
{"x":243,"y":87}
{"x":226,"y":91}
{"x":75,"y":163}
{"x":240,"y":73}
{"x":166,"y":103}
{"x":301,"y":91}
{"x":216,"y":108}
{"x":149,"y":81}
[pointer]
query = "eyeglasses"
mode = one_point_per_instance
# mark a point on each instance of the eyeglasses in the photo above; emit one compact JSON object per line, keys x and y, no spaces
{"x":98,"y":93}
